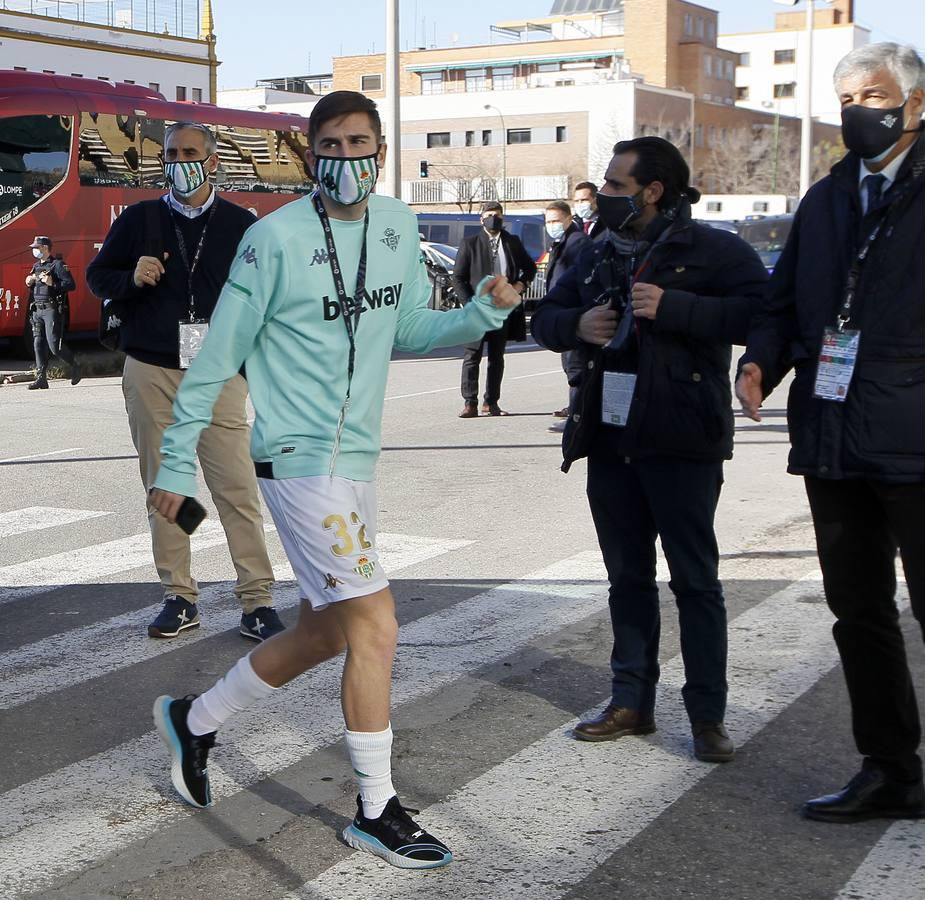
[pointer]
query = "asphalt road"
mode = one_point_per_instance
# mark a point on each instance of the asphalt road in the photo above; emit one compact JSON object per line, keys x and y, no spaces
{"x":505,"y":642}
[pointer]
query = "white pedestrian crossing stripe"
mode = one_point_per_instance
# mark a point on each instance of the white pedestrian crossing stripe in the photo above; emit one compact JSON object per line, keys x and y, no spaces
{"x":103,"y":647}
{"x":894,"y":869}
{"x":37,"y":518}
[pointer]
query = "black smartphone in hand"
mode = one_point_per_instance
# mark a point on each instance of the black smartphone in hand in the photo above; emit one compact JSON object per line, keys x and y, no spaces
{"x":190,"y":514}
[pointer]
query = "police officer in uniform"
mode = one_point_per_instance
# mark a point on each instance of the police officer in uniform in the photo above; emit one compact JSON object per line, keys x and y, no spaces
{"x":49,"y":281}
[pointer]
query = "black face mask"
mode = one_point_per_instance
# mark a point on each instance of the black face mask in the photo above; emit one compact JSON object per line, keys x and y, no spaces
{"x":871,"y":132}
{"x":492,"y":223}
{"x":618,"y":212}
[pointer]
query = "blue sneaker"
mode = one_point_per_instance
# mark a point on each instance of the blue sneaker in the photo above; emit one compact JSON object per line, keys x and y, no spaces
{"x":261,"y":624}
{"x":189,"y":752}
{"x":397,"y":838}
{"x":176,"y":616}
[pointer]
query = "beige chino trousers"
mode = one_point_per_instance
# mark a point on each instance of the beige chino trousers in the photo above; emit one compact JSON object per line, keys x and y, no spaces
{"x":224,"y":455}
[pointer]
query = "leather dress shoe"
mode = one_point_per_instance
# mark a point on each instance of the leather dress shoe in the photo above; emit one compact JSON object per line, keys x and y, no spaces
{"x":561,"y":413}
{"x":871,"y":794}
{"x":469,"y":411}
{"x":492,"y":409}
{"x":615,"y":722}
{"x":712,"y":742}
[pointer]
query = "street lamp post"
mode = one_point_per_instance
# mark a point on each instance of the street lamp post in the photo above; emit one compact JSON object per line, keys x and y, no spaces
{"x":806,"y":133}
{"x":503,"y":196}
{"x":392,"y":119}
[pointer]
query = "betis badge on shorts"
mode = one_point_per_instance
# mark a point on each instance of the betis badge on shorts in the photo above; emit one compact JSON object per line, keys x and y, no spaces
{"x":364,"y":567}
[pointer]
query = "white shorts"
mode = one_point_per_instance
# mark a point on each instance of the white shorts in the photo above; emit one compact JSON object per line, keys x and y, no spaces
{"x":328,"y":529}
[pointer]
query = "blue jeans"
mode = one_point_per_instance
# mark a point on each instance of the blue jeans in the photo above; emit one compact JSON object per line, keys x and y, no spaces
{"x":632,"y":503}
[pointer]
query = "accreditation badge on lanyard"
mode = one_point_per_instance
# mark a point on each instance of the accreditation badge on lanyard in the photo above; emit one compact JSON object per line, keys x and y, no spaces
{"x":837,"y":359}
{"x":192,"y":330}
{"x":192,"y":333}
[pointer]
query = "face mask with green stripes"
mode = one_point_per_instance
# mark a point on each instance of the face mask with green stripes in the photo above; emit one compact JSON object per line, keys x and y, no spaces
{"x":186,"y":177}
{"x":347,"y":180}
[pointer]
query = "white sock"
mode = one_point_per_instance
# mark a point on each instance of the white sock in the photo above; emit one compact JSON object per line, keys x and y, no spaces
{"x":240,"y":688}
{"x":371,"y":758}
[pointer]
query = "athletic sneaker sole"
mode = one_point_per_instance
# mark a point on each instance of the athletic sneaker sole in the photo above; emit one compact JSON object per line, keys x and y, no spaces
{"x":360,"y":840}
{"x":157,"y":633}
{"x":169,"y":736}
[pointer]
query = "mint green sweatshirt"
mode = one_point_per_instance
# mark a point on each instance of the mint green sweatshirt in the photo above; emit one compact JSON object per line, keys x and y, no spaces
{"x":279,"y":315}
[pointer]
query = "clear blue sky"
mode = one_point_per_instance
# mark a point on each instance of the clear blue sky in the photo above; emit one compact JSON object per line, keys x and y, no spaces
{"x":299,"y":37}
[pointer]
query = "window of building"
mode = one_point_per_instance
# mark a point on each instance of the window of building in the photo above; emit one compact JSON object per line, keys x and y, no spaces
{"x":708,"y":65}
{"x":502,"y":78}
{"x":476,"y":80}
{"x":370,"y":83}
{"x":197,"y":95}
{"x":688,"y":24}
{"x":711,"y":136}
{"x":711,"y":30}
{"x":698,"y":136}
{"x":438,"y":139}
{"x":486,"y":137}
{"x":785,"y":90}
{"x":518,"y":135}
{"x":782,"y":57}
{"x":548,"y":67}
{"x":742,"y":93}
{"x":714,"y":206}
{"x":34,"y":159}
{"x":561,"y":134}
{"x":154,"y":86}
{"x":432,"y":82}
{"x":470,"y":138}
{"x":745,"y":59}
{"x":760,"y":206}
{"x":699,"y":24}
{"x":730,"y":70}
{"x":181,"y":92}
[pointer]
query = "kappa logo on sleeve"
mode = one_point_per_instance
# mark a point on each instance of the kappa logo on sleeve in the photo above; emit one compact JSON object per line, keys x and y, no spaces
{"x":249,"y":256}
{"x":391,"y":239}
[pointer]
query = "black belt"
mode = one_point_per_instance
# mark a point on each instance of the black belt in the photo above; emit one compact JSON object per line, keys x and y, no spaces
{"x":264,"y":470}
{"x":50,"y":305}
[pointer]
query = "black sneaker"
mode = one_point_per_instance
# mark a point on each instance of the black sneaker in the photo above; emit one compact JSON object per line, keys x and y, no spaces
{"x":189,"y":752}
{"x":176,"y":616}
{"x":397,"y":838}
{"x":261,"y":624}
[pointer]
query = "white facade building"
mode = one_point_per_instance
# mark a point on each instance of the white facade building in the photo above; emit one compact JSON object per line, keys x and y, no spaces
{"x":181,"y":68}
{"x":770,"y":70}
{"x":264,"y":99}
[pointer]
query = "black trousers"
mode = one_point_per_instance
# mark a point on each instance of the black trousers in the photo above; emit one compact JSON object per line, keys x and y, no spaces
{"x":47,"y":327}
{"x":495,"y":342}
{"x":632,"y":503}
{"x":859,"y":526}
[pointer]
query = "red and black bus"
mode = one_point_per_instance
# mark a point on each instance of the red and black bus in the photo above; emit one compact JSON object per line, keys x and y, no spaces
{"x":75,"y":152}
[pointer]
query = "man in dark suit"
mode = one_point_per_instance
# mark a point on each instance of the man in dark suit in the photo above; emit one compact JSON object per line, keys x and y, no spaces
{"x":492,"y":251}
{"x":586,"y":217}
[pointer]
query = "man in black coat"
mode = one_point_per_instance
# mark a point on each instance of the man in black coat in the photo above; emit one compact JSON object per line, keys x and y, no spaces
{"x":849,"y":286}
{"x":165,"y":262}
{"x":566,"y":240}
{"x":651,"y":310}
{"x":493,"y":251}
{"x":587,"y":219}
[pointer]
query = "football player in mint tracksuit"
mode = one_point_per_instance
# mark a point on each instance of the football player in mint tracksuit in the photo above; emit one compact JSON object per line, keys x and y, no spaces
{"x":317,"y":361}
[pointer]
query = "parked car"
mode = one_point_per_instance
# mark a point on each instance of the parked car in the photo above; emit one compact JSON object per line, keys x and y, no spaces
{"x":767,"y":234}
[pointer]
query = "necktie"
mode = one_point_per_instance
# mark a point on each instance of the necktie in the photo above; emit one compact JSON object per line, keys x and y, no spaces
{"x":874,"y":185}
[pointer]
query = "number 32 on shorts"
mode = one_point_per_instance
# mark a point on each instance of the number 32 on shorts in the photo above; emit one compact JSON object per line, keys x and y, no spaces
{"x":343,"y":535}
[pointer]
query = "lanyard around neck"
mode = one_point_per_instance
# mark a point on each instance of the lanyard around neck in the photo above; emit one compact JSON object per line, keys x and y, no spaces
{"x":190,"y":266}
{"x":350,"y":308}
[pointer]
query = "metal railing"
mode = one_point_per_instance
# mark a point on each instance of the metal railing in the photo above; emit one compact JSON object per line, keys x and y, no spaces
{"x":179,"y":18}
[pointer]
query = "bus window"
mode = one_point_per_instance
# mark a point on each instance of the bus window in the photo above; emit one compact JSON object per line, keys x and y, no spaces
{"x":34,"y":152}
{"x":469,"y":230}
{"x":266,"y":161}
{"x":151,"y":161}
{"x":439,"y":234}
{"x":108,"y":151}
{"x":531,"y":235}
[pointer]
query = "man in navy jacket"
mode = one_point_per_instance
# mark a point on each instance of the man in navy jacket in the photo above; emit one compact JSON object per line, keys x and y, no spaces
{"x":651,"y":310}
{"x":853,"y":272}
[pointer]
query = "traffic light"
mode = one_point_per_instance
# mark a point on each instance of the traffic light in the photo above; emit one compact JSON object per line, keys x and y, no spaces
{"x":423,"y":168}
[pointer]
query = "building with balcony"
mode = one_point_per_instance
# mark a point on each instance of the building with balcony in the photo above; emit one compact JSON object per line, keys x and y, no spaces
{"x":169,"y":48}
{"x":769,"y":73}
